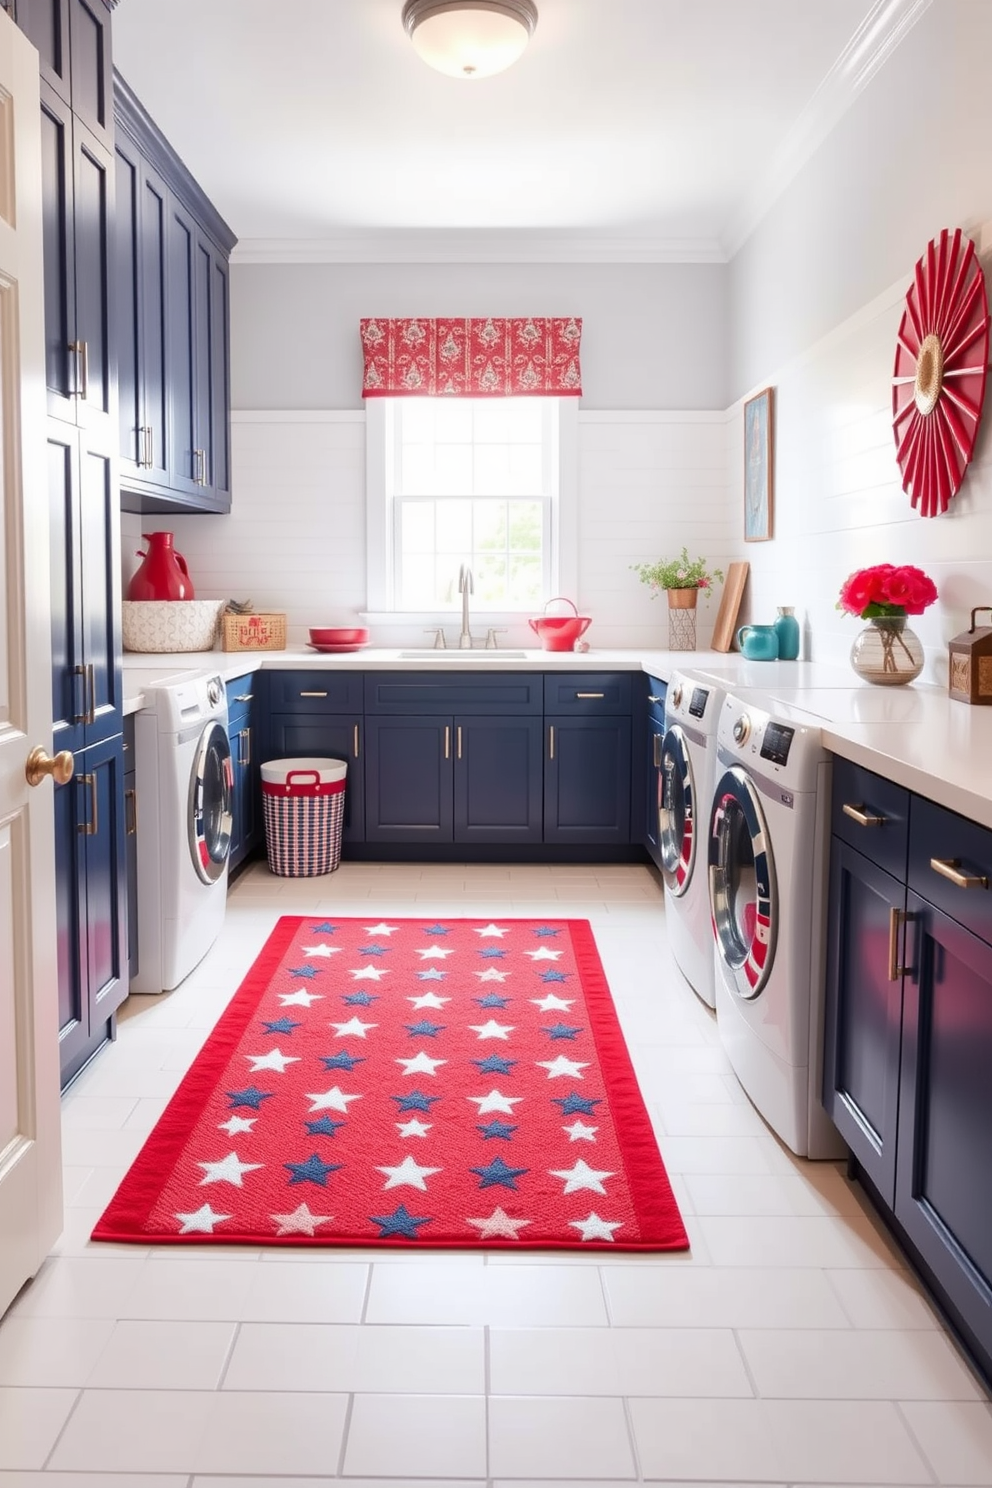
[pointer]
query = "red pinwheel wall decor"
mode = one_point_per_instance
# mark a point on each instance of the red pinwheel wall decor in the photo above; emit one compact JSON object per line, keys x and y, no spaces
{"x":938,"y":381}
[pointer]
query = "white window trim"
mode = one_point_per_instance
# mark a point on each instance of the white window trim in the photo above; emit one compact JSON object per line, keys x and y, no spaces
{"x":378,"y":545}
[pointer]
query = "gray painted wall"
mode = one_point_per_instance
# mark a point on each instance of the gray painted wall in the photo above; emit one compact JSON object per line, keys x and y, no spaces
{"x":654,"y":335}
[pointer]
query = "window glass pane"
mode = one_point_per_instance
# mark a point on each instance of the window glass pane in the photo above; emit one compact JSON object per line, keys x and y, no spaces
{"x":418,"y":527}
{"x":489,"y":572}
{"x":490,"y":525}
{"x":526,"y":526}
{"x":454,"y":528}
{"x":525,"y":476}
{"x":524,"y":586}
{"x":419,"y":588}
{"x":415,"y":420}
{"x":452,"y":469}
{"x":452,"y":419}
{"x":492,"y":469}
{"x":494,"y":422}
{"x":416,"y":474}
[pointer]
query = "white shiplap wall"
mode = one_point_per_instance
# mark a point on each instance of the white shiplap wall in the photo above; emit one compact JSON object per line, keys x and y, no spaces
{"x":295,"y":538}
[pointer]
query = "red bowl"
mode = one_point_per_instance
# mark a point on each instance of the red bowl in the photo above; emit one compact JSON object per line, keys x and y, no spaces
{"x":339,"y":635}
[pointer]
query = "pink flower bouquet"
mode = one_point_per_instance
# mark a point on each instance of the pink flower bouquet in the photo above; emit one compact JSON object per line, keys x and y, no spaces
{"x":887,"y":590}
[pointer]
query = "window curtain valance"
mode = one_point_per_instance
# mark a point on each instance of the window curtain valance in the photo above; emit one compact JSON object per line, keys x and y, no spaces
{"x":536,"y":356}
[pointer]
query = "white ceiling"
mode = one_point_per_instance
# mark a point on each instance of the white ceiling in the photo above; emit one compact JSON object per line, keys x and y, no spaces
{"x":630,"y":128}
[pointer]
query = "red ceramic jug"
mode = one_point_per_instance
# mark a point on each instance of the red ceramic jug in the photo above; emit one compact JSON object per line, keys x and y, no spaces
{"x":163,"y":574}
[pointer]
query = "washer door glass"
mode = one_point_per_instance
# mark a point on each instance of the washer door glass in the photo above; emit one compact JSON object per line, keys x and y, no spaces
{"x":677,"y":812}
{"x":211,"y":787}
{"x":743,"y":896}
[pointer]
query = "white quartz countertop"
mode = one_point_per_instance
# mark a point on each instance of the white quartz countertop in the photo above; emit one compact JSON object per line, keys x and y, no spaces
{"x":915,"y":735}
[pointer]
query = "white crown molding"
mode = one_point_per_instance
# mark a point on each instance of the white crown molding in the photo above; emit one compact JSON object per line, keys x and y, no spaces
{"x":884,"y":27}
{"x":461,"y":245}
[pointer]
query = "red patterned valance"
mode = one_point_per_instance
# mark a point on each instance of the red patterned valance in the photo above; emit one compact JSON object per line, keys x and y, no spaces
{"x":534,"y":356}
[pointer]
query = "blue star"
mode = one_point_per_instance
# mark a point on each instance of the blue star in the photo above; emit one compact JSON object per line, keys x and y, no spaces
{"x":545,"y":930}
{"x":576,"y":1104}
{"x":324,"y":928}
{"x":312,"y":1171}
{"x":322,"y":1127}
{"x":415,"y":1101}
{"x":433,"y":975}
{"x":495,"y":1064}
{"x":344,"y":1060}
{"x":561,"y":1031}
{"x":497,"y":1175}
{"x":359,"y":999}
{"x":436,"y":930}
{"x":373,"y":950}
{"x":425,"y":1028}
{"x":491,"y":953}
{"x":281,"y":1025}
{"x":304,"y":971}
{"x":555,"y":976}
{"x":398,"y":1223}
{"x":251,"y":1096}
{"x":496,"y":1129}
{"x":492,"y":999}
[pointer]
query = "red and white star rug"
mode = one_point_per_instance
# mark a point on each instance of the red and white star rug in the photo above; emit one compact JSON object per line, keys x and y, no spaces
{"x":413,"y":1083}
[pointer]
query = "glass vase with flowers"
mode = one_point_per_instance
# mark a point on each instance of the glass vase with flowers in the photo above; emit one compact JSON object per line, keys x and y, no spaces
{"x":887,"y":653}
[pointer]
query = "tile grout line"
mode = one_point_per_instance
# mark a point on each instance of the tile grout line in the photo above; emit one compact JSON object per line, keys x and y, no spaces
{"x":897,"y":1406}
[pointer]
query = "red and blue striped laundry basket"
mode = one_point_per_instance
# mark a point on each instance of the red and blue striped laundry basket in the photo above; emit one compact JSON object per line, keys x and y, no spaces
{"x":303,"y":806}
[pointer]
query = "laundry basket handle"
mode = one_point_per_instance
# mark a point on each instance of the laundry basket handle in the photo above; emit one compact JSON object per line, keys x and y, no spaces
{"x":294,"y":776}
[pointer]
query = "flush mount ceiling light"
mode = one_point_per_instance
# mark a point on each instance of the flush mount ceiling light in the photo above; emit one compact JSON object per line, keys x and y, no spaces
{"x":470,"y":38}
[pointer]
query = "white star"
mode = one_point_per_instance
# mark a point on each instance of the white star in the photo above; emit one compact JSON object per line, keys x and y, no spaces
{"x":551,"y":1003}
{"x":408,"y":1175}
{"x":543,"y":954}
{"x":381,"y":929}
{"x":228,"y":1170}
{"x":370,"y":974}
{"x":300,"y":1222}
{"x":495,"y":1102}
{"x":498,"y":1223}
{"x":562,"y":1066}
{"x":237,"y":1124}
{"x":354,"y":1028}
{"x":579,"y":1132}
{"x":330,"y":1100}
{"x":492,"y":929}
{"x":413,"y":1127}
{"x":429,"y":999}
{"x":321,"y":950}
{"x":299,"y":999}
{"x":492,"y":975}
{"x":581,"y":1176}
{"x":492,"y":1029}
{"x":202,"y":1222}
{"x":435,"y":953}
{"x":595,"y":1228}
{"x":273,"y":1060}
{"x":421,"y":1064}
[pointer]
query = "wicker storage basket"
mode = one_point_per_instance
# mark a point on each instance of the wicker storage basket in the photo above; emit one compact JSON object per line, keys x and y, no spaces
{"x":254,"y":632}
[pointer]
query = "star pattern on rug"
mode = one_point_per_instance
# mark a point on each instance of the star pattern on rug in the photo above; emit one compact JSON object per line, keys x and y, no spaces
{"x":311,"y":1171}
{"x":322,"y":950}
{"x":228,"y":1170}
{"x":300,"y":1222}
{"x":408,"y":1174}
{"x":498,"y":1226}
{"x":398,"y":1223}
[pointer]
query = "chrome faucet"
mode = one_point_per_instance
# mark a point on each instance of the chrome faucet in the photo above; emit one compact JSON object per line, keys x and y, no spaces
{"x":466,"y":587}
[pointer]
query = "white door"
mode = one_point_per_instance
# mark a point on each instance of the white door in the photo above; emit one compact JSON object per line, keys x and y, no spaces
{"x":30,"y":1152}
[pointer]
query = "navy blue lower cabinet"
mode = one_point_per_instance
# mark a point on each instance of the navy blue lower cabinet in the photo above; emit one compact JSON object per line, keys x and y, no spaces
{"x":325,"y":736}
{"x":943,"y":1196}
{"x":91,"y":903}
{"x":409,"y":764}
{"x":864,"y":1011}
{"x":498,"y":780}
{"x":654,"y":784}
{"x":587,"y":779}
{"x":243,"y":733}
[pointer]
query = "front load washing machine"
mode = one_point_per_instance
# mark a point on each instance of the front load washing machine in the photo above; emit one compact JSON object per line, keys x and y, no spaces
{"x":184,"y":780}
{"x":688,"y":755}
{"x":767,"y":860}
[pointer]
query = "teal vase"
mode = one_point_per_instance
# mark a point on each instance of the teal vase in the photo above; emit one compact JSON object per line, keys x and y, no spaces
{"x":786,"y":627}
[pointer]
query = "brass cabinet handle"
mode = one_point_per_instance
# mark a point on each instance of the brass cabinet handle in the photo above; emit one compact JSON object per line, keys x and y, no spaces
{"x":91,"y":681}
{"x":80,"y":671}
{"x":244,"y":747}
{"x":950,"y":868}
{"x":447,"y":741}
{"x":458,"y":745}
{"x":91,"y":827}
{"x":131,"y":813}
{"x":862,"y":817}
{"x":40,"y":764}
{"x":200,"y":467}
{"x":355,"y":743}
{"x":313,"y":694}
{"x":551,"y":741}
{"x":590,"y":694}
{"x":657,"y":751}
{"x":897,"y":918}
{"x":81,"y":352}
{"x":149,"y":446}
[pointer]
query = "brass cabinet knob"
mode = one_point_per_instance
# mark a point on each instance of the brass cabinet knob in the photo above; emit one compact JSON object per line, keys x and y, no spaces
{"x":40,"y":763}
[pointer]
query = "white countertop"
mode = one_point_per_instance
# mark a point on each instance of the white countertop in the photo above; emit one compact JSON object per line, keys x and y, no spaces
{"x":915,"y":735}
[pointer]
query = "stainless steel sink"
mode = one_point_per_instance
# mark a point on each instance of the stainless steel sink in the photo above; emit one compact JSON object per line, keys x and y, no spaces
{"x":459,"y":658}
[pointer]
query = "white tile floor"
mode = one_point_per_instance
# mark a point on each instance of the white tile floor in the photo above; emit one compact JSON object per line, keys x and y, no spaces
{"x":789,"y":1347}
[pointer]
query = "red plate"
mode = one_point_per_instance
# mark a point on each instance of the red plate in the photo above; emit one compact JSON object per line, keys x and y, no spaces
{"x":312,"y":645}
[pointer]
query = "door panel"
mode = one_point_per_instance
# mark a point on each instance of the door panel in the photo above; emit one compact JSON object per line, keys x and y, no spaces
{"x":408,"y":780}
{"x":99,"y":526}
{"x":46,"y":24}
{"x":60,"y":295}
{"x":220,"y":381}
{"x":181,"y":346}
{"x":93,"y":201}
{"x":324,"y":737}
{"x":587,"y":780}
{"x":126,"y":310}
{"x":154,"y":374}
{"x":92,"y":77}
{"x":498,"y":780}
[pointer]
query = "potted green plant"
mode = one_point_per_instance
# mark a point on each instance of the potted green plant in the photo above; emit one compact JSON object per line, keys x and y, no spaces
{"x":681,"y":578}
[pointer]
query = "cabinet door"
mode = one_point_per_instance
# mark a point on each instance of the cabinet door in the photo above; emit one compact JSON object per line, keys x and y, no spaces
{"x":100,"y":573}
{"x":90,"y":67}
{"x":220,"y":383}
{"x":408,"y":770}
{"x":654,"y":787}
{"x":863,"y":1029}
{"x":139,"y":314}
{"x":203,"y":403}
{"x":587,"y":780}
{"x":61,"y":366}
{"x":181,"y":347}
{"x":93,"y":228}
{"x":325,"y":736}
{"x":131,"y":846}
{"x":46,"y":24}
{"x":943,"y":1177}
{"x":70,"y":697}
{"x":498,"y":780}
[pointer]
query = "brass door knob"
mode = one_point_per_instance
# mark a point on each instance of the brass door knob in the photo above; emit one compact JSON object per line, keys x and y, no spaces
{"x":40,"y":763}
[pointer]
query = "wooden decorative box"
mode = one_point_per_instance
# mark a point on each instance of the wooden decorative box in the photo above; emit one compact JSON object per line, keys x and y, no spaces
{"x":254,"y":632}
{"x":970,"y":655}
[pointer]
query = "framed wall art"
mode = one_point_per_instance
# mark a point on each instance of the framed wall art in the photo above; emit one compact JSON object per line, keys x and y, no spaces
{"x":758,"y":451}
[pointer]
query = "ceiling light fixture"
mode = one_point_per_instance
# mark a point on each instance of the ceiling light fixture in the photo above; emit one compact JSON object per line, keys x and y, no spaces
{"x":470,"y":38}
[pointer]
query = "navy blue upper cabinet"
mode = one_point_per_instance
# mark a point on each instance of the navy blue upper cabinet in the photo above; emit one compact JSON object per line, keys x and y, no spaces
{"x":73,"y":41}
{"x":139,"y":261}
